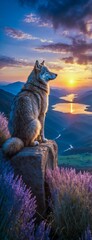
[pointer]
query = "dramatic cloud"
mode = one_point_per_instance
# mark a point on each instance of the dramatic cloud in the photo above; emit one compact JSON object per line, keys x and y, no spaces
{"x":56,"y":66}
{"x":55,"y":48}
{"x":33,"y":18}
{"x":68,"y":60}
{"x":67,"y":13}
{"x":78,"y":51}
{"x":19,"y":35}
{"x":81,"y":59}
{"x":84,"y":59}
{"x":12,"y":62}
{"x":6,"y":61}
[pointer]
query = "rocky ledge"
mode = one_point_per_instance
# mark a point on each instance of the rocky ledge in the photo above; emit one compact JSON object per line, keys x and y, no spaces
{"x":31,"y":163}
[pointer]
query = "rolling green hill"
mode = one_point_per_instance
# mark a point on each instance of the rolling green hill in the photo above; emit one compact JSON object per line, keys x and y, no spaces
{"x":80,"y":161}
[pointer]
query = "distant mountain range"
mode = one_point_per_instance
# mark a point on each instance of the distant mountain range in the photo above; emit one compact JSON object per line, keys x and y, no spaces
{"x":13,"y":88}
{"x":4,"y":83}
{"x":85,"y":97}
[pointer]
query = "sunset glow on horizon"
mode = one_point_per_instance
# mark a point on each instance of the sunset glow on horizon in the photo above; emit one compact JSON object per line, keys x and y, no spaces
{"x":13,"y":74}
{"x":71,"y":82}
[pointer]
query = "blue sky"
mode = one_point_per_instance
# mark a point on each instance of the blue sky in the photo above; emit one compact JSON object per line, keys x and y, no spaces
{"x":60,"y":32}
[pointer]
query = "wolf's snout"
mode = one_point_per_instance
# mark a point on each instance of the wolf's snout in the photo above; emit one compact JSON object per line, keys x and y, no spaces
{"x":54,"y":75}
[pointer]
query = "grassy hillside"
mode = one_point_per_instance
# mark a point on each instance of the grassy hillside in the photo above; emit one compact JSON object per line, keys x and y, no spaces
{"x":79,"y":161}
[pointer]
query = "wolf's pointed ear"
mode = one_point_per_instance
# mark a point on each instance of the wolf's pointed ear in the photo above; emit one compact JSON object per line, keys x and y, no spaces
{"x":37,"y":63}
{"x":37,"y":66}
{"x":42,"y":62}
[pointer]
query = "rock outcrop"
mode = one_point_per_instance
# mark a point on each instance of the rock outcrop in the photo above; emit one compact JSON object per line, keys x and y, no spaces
{"x":31,"y":163}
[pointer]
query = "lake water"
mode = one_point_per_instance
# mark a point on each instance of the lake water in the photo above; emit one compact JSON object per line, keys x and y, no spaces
{"x":73,"y":108}
{"x":69,"y":97}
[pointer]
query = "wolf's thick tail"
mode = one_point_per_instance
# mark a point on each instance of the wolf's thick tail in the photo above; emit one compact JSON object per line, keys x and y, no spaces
{"x":12,"y":146}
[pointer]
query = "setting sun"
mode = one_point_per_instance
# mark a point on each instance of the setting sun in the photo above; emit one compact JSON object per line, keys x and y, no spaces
{"x":72,"y":82}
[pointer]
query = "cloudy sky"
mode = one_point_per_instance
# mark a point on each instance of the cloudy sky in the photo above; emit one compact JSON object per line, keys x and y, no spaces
{"x":58,"y":31}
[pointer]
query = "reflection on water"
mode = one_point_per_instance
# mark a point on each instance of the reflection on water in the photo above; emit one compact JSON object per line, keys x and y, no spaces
{"x":70,"y":107}
{"x":69,"y":97}
{"x":73,"y":108}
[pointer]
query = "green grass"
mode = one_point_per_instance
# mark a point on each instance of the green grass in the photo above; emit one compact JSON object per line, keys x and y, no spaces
{"x":79,"y":161}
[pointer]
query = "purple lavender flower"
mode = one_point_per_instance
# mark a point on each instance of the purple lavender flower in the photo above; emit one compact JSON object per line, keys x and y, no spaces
{"x":4,"y":132}
{"x":17,"y":205}
{"x":17,"y":209}
{"x":71,"y":195}
{"x":42,"y":233}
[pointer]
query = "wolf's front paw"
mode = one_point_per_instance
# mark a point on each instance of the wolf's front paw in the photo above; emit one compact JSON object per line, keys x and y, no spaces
{"x":44,"y":140}
{"x":36,"y":143}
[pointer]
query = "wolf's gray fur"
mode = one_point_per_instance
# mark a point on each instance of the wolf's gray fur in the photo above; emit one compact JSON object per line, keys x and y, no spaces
{"x":29,"y":108}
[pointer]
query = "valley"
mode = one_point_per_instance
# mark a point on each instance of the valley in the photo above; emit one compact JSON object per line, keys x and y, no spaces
{"x":72,"y":132}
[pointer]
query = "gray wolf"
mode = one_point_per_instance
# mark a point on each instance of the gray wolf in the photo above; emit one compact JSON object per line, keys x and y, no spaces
{"x":27,"y":117}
